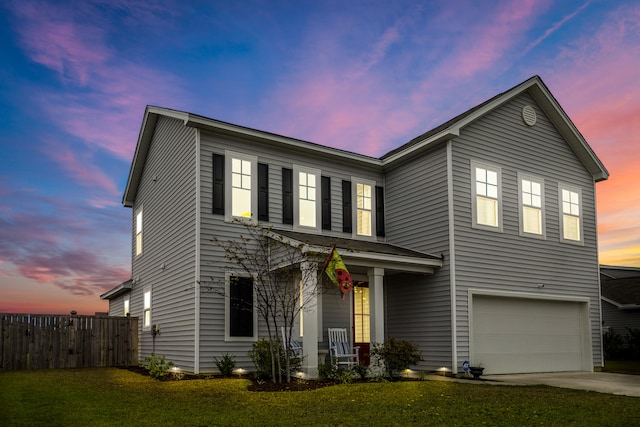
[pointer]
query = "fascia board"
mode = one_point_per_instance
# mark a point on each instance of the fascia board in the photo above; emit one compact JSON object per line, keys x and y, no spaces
{"x":218,"y":126}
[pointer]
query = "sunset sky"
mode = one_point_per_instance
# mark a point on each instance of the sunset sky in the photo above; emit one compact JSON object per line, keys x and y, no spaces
{"x":362,"y":76}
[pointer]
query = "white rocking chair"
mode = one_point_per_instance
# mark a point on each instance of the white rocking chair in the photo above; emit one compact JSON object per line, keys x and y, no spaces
{"x":294,"y":346}
{"x":342,"y":352}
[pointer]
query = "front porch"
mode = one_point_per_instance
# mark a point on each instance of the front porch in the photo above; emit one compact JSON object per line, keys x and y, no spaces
{"x":370,"y":264}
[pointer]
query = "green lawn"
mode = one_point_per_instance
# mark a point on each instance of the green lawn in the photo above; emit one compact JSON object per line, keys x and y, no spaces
{"x":97,"y":397}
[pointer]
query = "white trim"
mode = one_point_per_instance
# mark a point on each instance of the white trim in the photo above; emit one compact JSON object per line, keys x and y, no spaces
{"x":227,"y":298}
{"x":196,"y":281}
{"x":452,"y":261}
{"x":144,"y":308}
{"x":296,"y":199}
{"x":474,"y":201}
{"x":574,"y":189}
{"x":228,"y":157}
{"x":522,"y":176}
{"x":354,"y":208}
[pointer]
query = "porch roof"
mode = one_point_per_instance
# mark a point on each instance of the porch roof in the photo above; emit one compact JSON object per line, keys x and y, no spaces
{"x":364,"y":253}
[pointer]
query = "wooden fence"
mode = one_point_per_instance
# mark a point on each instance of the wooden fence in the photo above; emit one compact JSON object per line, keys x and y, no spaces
{"x":42,"y":341}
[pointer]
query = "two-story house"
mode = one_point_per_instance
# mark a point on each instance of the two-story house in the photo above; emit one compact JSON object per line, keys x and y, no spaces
{"x":476,"y":240}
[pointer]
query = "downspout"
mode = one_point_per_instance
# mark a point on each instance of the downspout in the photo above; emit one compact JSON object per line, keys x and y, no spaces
{"x":452,"y":261}
{"x":196,"y":282}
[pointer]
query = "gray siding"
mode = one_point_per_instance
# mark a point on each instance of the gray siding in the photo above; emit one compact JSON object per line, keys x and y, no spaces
{"x":505,"y":260}
{"x":167,"y":197}
{"x":617,"y":321}
{"x":212,"y":313}
{"x":419,"y":307}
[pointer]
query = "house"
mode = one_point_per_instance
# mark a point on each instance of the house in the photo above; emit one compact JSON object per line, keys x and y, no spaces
{"x":620,"y":289}
{"x":476,"y":240}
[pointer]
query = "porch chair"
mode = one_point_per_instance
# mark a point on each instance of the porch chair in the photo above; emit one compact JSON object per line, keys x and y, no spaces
{"x":294,"y":345}
{"x":342,"y":352}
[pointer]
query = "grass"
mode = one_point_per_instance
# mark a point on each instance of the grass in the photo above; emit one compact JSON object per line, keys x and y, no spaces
{"x":622,"y":366}
{"x":109,"y":396}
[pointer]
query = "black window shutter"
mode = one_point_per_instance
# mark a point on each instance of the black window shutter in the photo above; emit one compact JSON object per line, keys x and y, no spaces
{"x":241,"y":307}
{"x":263,"y":192}
{"x":287,"y":196}
{"x":346,"y":207}
{"x":218,"y":184}
{"x":379,"y":212}
{"x":326,"y":202}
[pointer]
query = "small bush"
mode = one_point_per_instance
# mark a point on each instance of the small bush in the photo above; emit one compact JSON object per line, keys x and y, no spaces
{"x":334,"y":372}
{"x":260,"y":354}
{"x":157,"y":366}
{"x":397,"y":355}
{"x":226,"y":364}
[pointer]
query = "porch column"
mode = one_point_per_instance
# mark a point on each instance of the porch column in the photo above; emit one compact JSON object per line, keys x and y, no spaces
{"x":310,"y":315}
{"x":376,"y":307}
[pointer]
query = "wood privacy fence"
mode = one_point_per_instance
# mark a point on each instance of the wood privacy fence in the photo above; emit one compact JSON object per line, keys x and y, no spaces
{"x":43,"y":341}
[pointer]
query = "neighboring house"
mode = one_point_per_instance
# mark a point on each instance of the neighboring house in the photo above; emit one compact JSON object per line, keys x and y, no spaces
{"x":620,"y":289}
{"x":476,"y":240}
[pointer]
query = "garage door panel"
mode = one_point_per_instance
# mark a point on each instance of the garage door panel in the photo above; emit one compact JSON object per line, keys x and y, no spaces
{"x":513,"y":335}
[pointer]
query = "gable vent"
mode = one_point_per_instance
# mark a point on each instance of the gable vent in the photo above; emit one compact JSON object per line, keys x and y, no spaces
{"x":529,"y":115}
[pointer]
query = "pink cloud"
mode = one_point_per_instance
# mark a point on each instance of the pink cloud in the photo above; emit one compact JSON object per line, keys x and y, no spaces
{"x":82,"y":169}
{"x":73,"y":42}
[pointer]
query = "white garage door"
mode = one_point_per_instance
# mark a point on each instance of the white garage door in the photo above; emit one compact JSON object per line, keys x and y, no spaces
{"x":518,"y":335}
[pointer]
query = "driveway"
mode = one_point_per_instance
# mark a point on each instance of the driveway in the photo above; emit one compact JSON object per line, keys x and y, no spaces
{"x":603,"y":382}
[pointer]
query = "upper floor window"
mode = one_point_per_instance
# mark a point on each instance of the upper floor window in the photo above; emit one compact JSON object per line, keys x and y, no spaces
{"x":139,"y":232}
{"x":241,"y":318}
{"x":126,"y":306}
{"x":486,"y":196}
{"x":570,"y":202}
{"x":306,"y":187}
{"x":531,"y":205}
{"x":364,"y":202}
{"x":146,"y":310}
{"x":241,"y":171}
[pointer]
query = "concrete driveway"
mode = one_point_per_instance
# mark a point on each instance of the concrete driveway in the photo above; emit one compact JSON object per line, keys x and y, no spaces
{"x":603,"y":382}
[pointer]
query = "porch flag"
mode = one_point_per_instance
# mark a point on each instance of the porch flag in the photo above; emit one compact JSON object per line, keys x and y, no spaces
{"x":337,"y":272}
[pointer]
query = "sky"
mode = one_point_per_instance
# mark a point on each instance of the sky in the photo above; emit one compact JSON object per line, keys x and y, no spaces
{"x":366,"y":76}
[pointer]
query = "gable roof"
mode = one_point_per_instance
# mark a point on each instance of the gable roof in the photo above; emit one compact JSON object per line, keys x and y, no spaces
{"x":448,"y":130}
{"x":620,"y":286}
{"x":547,"y":102}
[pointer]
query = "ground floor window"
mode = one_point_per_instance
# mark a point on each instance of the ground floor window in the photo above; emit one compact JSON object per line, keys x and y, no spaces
{"x":241,"y":318}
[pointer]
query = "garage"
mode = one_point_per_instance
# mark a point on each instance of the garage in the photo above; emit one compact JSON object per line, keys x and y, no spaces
{"x":520,"y":335}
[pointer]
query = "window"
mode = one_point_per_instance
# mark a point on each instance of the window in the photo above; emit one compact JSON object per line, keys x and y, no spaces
{"x":242,"y":183}
{"x":570,"y":202}
{"x":146,"y":311}
{"x":126,"y":306}
{"x":241,"y":321}
{"x":531,"y":198}
{"x":486,"y":196}
{"x":306,"y":194}
{"x":139,"y":233}
{"x":364,"y":202}
{"x":361,"y":314}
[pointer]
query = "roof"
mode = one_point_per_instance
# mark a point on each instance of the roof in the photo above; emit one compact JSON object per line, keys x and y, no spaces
{"x":621,"y":286}
{"x":121,"y":289}
{"x":365,"y":253}
{"x":446,"y":131}
{"x":547,"y":102}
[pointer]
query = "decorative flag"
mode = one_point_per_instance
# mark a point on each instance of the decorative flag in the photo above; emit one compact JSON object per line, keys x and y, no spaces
{"x":337,"y":272}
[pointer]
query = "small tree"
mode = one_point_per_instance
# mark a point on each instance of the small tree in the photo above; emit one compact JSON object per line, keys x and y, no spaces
{"x":275,"y":266}
{"x":397,"y":355}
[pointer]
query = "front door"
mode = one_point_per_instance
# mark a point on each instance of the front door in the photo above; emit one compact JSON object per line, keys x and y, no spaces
{"x":361,"y":320}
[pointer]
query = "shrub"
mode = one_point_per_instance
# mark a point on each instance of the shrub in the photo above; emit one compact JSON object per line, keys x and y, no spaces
{"x":226,"y":364}
{"x":334,"y":372}
{"x":397,"y":355}
{"x":157,"y":366}
{"x":260,"y":354}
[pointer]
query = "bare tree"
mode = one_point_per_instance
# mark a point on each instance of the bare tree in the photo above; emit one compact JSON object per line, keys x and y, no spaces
{"x":274,"y":264}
